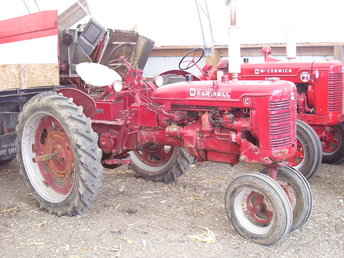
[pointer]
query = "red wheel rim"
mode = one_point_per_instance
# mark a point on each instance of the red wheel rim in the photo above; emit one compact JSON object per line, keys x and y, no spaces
{"x":289,"y":190}
{"x":331,"y":139}
{"x":155,"y":155}
{"x":258,"y":210}
{"x":54,"y":155}
{"x":298,"y":157}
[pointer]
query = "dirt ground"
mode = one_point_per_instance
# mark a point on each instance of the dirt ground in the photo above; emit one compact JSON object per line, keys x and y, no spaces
{"x":136,"y":218}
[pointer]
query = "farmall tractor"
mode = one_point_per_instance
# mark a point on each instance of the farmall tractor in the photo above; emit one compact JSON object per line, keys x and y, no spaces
{"x":319,"y":101}
{"x":101,"y":116}
{"x":320,"y":134}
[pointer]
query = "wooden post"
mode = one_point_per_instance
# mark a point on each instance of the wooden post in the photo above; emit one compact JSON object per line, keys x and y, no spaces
{"x":338,"y":52}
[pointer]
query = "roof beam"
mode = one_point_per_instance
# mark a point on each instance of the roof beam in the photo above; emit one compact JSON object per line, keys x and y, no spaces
{"x":73,"y":14}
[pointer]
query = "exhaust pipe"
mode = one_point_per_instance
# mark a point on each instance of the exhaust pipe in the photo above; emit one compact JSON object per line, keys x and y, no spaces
{"x":291,"y":47}
{"x":234,"y":57}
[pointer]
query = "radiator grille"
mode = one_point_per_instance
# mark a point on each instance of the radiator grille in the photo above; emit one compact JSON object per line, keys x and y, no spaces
{"x":335,"y":92}
{"x":280,"y":129}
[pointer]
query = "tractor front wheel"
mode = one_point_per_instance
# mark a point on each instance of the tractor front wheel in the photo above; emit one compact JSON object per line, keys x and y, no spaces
{"x":258,"y":208}
{"x":160,"y":163}
{"x":299,"y":193}
{"x":332,"y":139}
{"x":58,"y":154}
{"x":308,"y":156}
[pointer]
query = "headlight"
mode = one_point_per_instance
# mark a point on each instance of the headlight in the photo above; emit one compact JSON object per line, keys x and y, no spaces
{"x":117,"y":85}
{"x":219,"y":76}
{"x":159,"y":81}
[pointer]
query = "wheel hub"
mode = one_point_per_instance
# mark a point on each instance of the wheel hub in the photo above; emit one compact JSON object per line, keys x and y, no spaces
{"x":54,"y":155}
{"x":155,"y":155}
{"x":258,"y":209}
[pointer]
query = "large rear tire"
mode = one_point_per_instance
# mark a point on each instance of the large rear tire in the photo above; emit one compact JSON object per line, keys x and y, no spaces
{"x":258,"y":208}
{"x":160,"y":163}
{"x":309,"y":151}
{"x":5,"y":162}
{"x":58,"y":154}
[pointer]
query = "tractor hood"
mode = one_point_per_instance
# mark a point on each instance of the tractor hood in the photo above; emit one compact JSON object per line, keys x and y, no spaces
{"x":296,"y":72}
{"x":216,"y":94}
{"x":287,"y":70}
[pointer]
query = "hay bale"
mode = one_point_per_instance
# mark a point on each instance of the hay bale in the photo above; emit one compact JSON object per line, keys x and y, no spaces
{"x":24,"y":76}
{"x":9,"y":76}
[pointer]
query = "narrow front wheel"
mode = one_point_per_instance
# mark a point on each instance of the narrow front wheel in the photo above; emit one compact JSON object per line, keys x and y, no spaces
{"x":308,"y":156}
{"x":299,"y":194}
{"x":258,"y":208}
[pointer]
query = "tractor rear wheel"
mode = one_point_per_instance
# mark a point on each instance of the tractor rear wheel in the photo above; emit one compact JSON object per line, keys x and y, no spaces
{"x":160,"y":163}
{"x":104,"y":158}
{"x":309,"y":151}
{"x":258,"y":208}
{"x":332,"y":139}
{"x":58,"y":154}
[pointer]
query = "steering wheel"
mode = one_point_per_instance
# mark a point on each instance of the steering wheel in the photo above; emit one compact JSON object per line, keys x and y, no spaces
{"x":117,"y":62}
{"x":186,"y":64}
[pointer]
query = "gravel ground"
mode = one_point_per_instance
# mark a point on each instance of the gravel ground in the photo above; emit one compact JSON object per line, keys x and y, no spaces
{"x":136,"y":218}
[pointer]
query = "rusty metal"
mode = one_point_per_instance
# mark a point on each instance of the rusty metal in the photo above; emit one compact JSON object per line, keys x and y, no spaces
{"x":258,"y":209}
{"x":54,"y":155}
{"x":45,"y":157}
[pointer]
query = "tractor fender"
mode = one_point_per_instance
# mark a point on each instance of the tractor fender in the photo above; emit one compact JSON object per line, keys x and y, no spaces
{"x":81,"y":99}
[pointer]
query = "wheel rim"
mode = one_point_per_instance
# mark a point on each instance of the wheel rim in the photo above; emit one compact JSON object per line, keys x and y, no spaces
{"x":289,"y":190}
{"x":48,"y":157}
{"x":155,"y":155}
{"x":331,"y":140}
{"x":254,"y":211}
{"x":298,"y":159}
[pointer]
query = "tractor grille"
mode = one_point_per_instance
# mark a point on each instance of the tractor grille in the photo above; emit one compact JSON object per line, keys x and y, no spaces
{"x":280,"y":129}
{"x":335,"y":92}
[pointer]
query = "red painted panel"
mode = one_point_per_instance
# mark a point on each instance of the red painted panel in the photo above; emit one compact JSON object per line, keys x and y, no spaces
{"x":30,"y":26}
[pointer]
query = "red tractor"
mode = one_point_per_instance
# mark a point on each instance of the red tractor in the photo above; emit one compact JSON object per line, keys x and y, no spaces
{"x":65,"y":136}
{"x":319,"y":96}
{"x":309,"y":152}
{"x":100,"y":117}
